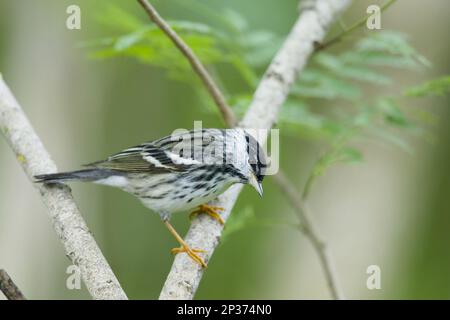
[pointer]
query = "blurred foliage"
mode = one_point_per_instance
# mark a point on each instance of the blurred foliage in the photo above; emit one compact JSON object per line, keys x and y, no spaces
{"x":437,"y":87}
{"x":341,"y":79}
{"x":247,"y":218}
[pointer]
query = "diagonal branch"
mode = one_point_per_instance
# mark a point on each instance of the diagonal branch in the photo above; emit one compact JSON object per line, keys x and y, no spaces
{"x":341,"y":36}
{"x":196,"y":64}
{"x":68,"y":223}
{"x":9,"y":288}
{"x":310,"y":28}
{"x":308,"y":227}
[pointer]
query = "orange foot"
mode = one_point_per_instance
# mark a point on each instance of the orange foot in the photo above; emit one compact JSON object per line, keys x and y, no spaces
{"x":210,"y":211}
{"x":191,"y":253}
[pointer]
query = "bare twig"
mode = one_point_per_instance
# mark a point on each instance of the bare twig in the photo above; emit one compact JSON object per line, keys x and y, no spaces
{"x":308,"y":185}
{"x":184,"y":277}
{"x":67,"y":221}
{"x":9,"y":288}
{"x":308,"y":227}
{"x":196,"y":64}
{"x":347,"y":31}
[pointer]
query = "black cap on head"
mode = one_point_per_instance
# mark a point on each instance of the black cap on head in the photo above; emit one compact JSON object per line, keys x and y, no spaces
{"x":257,"y":158}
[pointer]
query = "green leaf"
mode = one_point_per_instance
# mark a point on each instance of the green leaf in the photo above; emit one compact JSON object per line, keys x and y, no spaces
{"x":255,"y":46}
{"x":340,"y":68}
{"x":364,"y":117}
{"x":379,"y":59}
{"x":436,"y":87}
{"x":128,"y":40}
{"x":391,"y":138}
{"x":117,"y":18}
{"x":338,"y":154}
{"x":392,"y":42}
{"x":235,"y":19}
{"x":328,"y":77}
{"x":189,"y":26}
{"x":260,"y":38}
{"x":392,"y":112}
{"x":151,"y":46}
{"x":295,"y":118}
{"x":350,"y":155}
{"x":314,"y":83}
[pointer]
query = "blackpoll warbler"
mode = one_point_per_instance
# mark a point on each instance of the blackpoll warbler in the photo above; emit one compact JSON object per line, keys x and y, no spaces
{"x":179,"y":172}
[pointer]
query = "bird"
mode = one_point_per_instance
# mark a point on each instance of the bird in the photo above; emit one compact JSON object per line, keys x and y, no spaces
{"x":179,"y":172}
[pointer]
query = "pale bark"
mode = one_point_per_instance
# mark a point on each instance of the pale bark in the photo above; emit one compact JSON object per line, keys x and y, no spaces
{"x":68,"y":223}
{"x":204,"y":233}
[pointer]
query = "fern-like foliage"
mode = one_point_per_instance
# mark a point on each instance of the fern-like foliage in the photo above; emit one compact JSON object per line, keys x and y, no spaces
{"x":436,"y":87}
{"x":344,"y":82}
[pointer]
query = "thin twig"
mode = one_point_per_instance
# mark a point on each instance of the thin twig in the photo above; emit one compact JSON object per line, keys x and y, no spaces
{"x":9,"y":288}
{"x":310,"y":230}
{"x":185,"y":276}
{"x":79,"y":244}
{"x":197,"y":65}
{"x":346,"y":32}
{"x":308,"y":185}
{"x":308,"y":227}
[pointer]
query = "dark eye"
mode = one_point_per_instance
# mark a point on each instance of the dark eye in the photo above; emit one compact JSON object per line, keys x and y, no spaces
{"x":258,"y":169}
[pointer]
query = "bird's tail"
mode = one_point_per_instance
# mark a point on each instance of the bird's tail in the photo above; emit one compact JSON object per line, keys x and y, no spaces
{"x":79,"y":175}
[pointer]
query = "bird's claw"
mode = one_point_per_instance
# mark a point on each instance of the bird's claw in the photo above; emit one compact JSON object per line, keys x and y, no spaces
{"x":191,"y":253}
{"x":210,"y":211}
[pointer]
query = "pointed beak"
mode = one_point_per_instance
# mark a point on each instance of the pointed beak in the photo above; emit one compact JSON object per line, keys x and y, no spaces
{"x":256,"y":184}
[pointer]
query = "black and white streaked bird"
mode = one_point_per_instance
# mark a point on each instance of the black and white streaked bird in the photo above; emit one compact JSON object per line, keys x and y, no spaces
{"x":178,"y":173}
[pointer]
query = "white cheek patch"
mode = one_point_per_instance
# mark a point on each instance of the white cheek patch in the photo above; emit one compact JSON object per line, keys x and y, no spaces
{"x":114,"y":181}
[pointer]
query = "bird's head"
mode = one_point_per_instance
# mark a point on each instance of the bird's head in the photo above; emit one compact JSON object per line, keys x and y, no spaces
{"x":241,"y":156}
{"x":256,"y":161}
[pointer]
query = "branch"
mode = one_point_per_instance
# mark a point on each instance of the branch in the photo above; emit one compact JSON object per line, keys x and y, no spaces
{"x":308,"y":227}
{"x":184,"y":277}
{"x":346,"y":31}
{"x":67,"y":221}
{"x":9,"y":288}
{"x":196,"y":64}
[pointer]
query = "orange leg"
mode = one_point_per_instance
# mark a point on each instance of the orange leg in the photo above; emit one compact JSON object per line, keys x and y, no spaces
{"x":209,"y":210}
{"x":184,"y":247}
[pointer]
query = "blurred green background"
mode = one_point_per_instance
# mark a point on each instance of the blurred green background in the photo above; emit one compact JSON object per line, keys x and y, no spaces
{"x":391,"y":210}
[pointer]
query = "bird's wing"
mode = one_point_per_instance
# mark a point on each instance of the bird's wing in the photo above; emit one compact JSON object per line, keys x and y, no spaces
{"x":174,"y":153}
{"x":195,"y":146}
{"x":142,"y":158}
